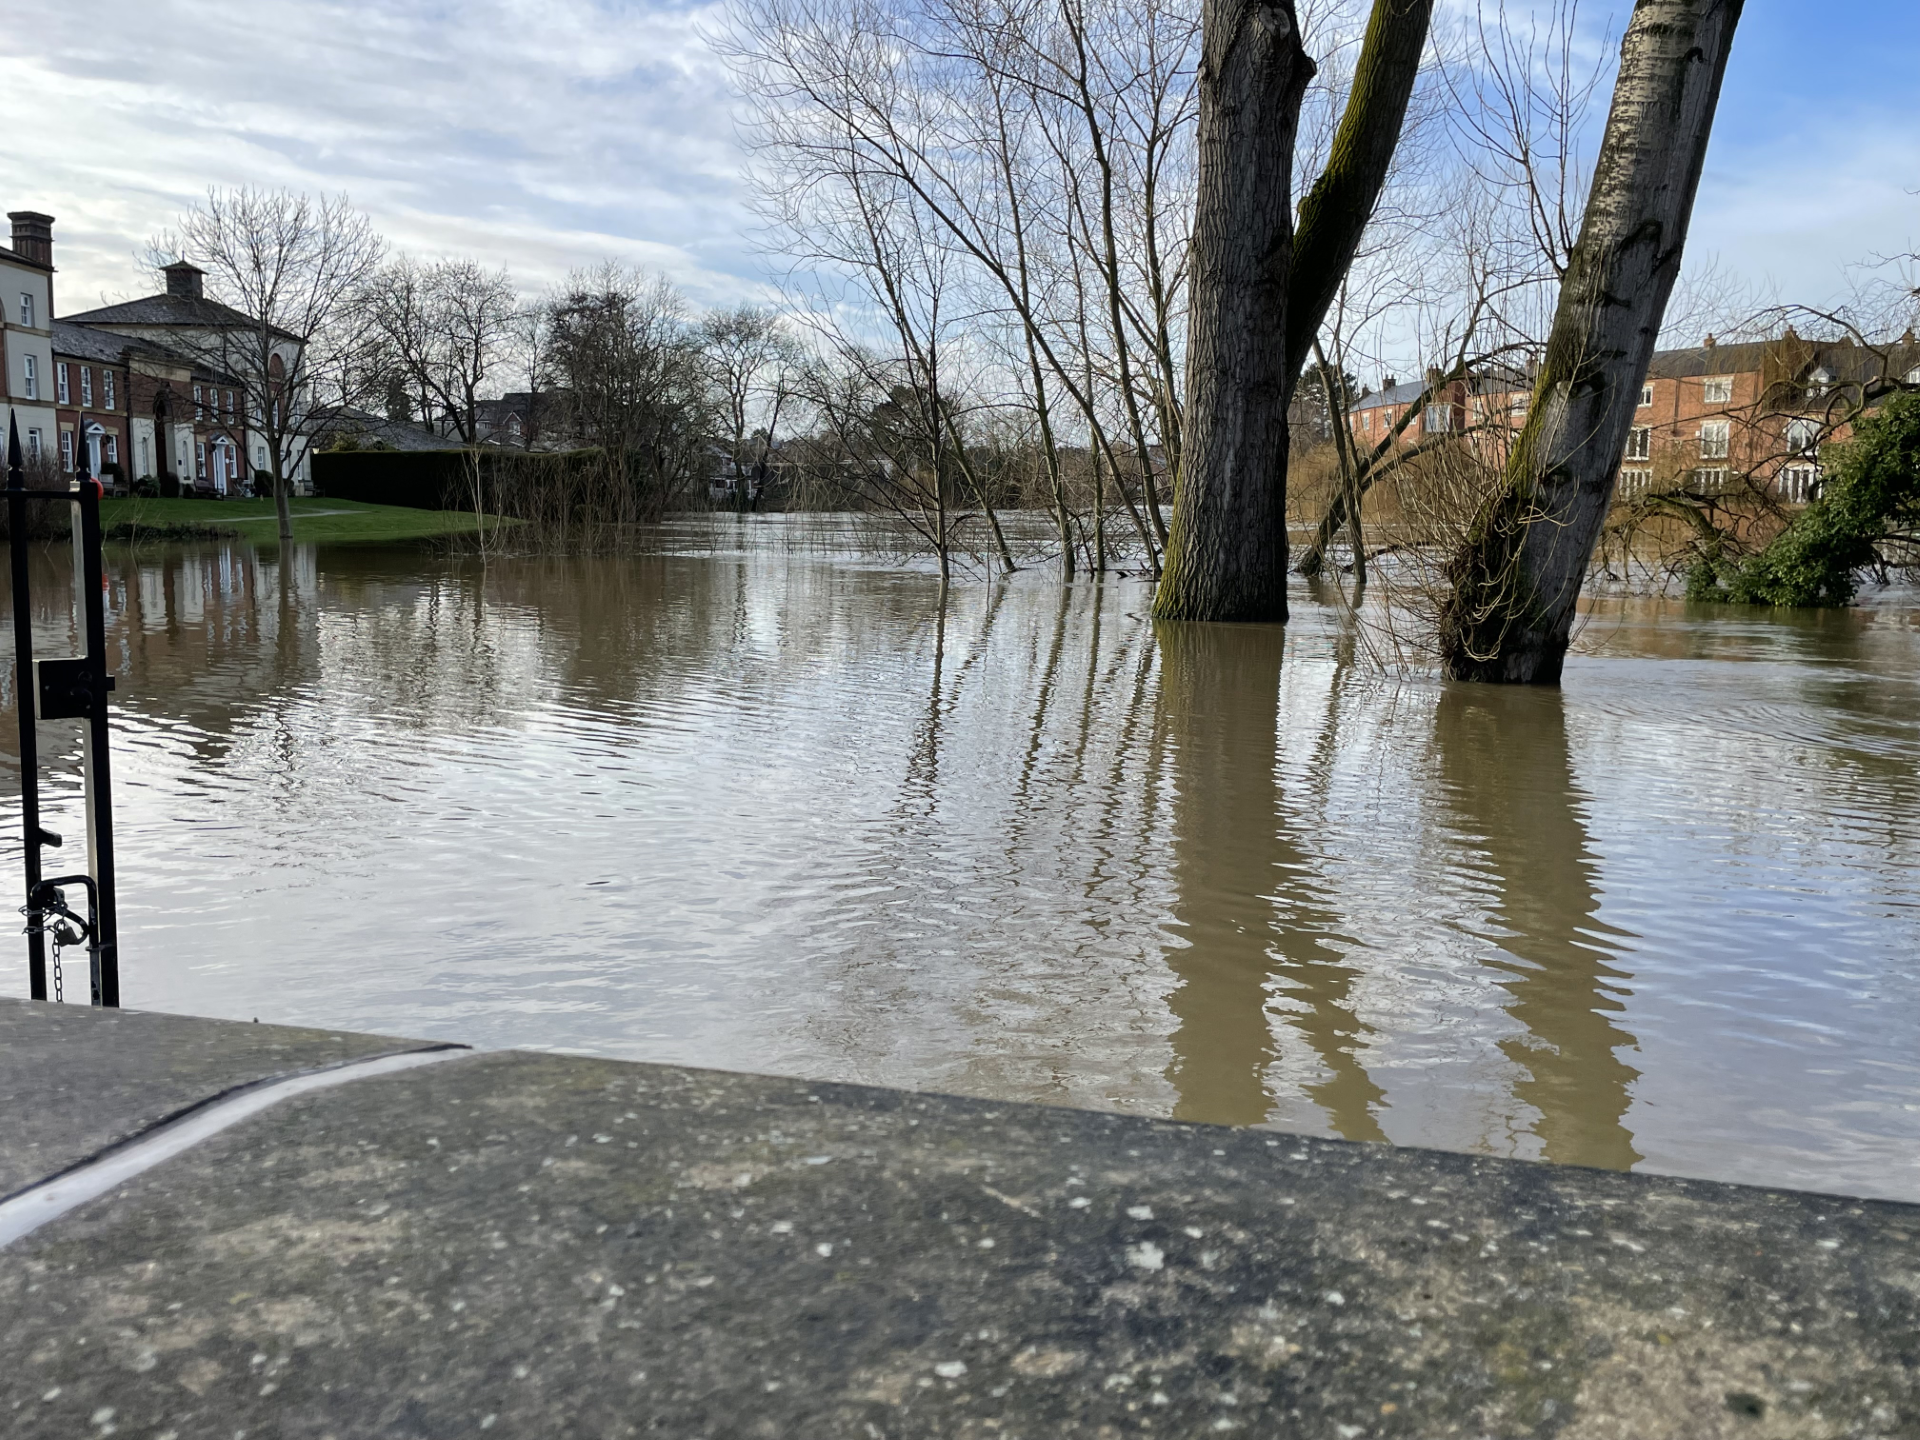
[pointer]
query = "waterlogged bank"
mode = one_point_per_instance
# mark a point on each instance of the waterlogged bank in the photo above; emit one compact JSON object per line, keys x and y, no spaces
{"x":756,"y":805}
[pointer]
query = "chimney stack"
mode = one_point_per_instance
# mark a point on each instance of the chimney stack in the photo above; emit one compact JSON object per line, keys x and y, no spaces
{"x":32,"y":236}
{"x":184,"y":280}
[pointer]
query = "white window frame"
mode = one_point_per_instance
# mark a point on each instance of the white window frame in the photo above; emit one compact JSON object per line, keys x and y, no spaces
{"x":34,"y":443}
{"x":60,"y":386}
{"x":1716,"y":439}
{"x":106,"y":389}
{"x":1640,"y":442}
{"x":26,"y":309}
{"x":1913,"y":376}
{"x":66,"y":451}
{"x":1646,"y":396}
{"x":1635,"y":481}
{"x":86,"y":386}
{"x":1798,"y":482}
{"x":199,"y":404}
{"x":1803,"y":435}
{"x":201,"y":473}
{"x":1717,"y":390}
{"x":30,"y":373}
{"x":1710,"y":480}
{"x":1439,"y":410}
{"x":113,"y":448}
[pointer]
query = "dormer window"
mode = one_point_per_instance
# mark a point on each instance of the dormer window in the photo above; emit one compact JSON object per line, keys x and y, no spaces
{"x":1719,"y":389}
{"x":1913,"y":376}
{"x":1820,"y":379}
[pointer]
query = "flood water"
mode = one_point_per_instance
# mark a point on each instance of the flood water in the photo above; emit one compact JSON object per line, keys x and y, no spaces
{"x":757,"y":806}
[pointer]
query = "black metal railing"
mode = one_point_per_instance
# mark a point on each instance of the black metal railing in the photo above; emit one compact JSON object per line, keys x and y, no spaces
{"x":65,"y":688}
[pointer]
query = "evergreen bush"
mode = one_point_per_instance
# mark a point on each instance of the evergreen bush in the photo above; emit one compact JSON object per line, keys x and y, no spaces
{"x":1872,"y":496}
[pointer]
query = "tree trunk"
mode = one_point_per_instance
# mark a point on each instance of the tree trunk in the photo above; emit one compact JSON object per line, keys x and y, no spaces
{"x":1515,"y":582}
{"x":1227,"y":549}
{"x":282,"y":507}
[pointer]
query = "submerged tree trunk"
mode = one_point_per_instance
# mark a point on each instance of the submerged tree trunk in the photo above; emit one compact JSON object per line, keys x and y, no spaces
{"x":1227,"y":548}
{"x":1509,"y":615}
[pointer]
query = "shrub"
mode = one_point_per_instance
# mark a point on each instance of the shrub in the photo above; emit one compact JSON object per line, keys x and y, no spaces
{"x":1873,"y":495}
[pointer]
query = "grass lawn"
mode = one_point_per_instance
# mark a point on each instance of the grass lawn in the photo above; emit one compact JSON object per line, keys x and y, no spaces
{"x":313,"y":519}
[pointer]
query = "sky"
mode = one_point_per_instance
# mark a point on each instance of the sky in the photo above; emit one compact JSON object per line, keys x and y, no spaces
{"x":548,"y":134}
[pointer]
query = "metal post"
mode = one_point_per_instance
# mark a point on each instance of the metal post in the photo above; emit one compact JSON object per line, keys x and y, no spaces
{"x":104,"y":943}
{"x":27,"y":703}
{"x":68,"y":688}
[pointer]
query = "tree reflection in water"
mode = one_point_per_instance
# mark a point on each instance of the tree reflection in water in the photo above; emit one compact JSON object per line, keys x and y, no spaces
{"x":1261,"y":938}
{"x":1507,"y":776}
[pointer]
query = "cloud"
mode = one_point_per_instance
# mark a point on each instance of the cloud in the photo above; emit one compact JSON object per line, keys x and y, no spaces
{"x":538,"y":134}
{"x":548,"y":134}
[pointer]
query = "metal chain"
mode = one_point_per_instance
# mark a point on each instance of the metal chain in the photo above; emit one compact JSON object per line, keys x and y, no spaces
{"x":59,"y":985}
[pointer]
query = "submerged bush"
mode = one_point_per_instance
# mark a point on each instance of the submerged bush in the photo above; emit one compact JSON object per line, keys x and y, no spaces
{"x":1872,"y":496}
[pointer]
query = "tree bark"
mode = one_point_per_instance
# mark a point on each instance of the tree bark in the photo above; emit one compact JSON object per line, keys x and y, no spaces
{"x":1336,"y":211}
{"x":1227,"y":549}
{"x":1509,"y":616}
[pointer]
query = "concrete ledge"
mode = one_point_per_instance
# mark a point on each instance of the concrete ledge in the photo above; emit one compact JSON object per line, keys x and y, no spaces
{"x":543,"y":1246}
{"x":77,"y":1080}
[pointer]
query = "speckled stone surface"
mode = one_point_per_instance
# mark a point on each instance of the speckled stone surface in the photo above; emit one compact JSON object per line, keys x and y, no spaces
{"x":75,"y":1080}
{"x":540,"y":1246}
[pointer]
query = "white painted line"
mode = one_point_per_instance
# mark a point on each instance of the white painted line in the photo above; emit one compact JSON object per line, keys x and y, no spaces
{"x":49,"y":1200}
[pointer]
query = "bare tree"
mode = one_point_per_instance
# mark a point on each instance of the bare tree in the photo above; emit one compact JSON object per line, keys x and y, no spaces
{"x":756,"y":364}
{"x":1226,"y":555}
{"x":445,"y":329}
{"x":1043,"y":148}
{"x":283,"y":271}
{"x":1251,"y":306}
{"x":639,"y":387}
{"x":1516,"y":581}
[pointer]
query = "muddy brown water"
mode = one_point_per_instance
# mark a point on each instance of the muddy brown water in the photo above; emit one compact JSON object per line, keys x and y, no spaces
{"x":764,"y":806}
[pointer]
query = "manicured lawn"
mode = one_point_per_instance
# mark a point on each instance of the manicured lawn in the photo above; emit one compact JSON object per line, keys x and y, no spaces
{"x":315,"y":519}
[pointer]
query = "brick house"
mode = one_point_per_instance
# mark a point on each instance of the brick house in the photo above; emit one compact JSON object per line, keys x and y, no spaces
{"x":1481,"y":405}
{"x":1715,"y":417}
{"x":26,"y":335}
{"x":106,"y":384}
{"x":90,"y":396}
{"x":190,"y":409}
{"x":1710,"y":419}
{"x":114,"y":396}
